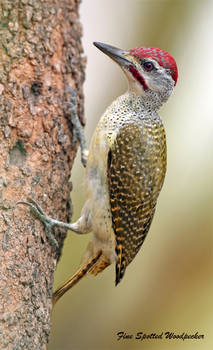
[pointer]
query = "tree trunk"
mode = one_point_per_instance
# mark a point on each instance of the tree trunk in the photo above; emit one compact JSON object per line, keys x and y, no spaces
{"x":40,"y":55}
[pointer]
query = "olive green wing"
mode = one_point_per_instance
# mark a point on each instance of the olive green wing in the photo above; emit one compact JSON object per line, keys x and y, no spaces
{"x":134,"y":182}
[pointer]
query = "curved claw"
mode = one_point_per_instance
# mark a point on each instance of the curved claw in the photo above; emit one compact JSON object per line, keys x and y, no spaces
{"x":84,"y":156}
{"x":46,"y":220}
{"x":33,"y":205}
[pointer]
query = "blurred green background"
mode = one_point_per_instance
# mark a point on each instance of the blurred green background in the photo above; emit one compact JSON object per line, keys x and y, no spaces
{"x":168,"y":286}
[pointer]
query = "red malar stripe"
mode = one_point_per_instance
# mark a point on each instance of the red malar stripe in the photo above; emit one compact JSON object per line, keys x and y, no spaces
{"x":138,"y":77}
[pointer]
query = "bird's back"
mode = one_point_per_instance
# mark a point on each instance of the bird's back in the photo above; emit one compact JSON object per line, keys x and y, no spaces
{"x":136,"y":170}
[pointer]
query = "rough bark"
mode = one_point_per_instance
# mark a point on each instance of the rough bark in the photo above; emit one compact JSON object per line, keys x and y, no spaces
{"x":40,"y":55}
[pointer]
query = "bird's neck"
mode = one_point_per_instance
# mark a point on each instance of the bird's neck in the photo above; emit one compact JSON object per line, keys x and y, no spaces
{"x":150,"y":100}
{"x":145,"y":104}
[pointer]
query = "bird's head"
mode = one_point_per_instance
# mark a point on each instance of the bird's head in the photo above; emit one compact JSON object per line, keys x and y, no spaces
{"x":151,"y":72}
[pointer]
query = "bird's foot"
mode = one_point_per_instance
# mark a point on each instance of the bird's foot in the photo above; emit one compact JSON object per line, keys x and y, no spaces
{"x":48,"y":222}
{"x":41,"y":216}
{"x":78,"y":131}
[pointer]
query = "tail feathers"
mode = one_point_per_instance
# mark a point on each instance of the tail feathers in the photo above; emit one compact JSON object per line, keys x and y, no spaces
{"x":73,"y":280}
{"x":120,"y":265}
{"x":102,"y":263}
{"x":120,"y":270}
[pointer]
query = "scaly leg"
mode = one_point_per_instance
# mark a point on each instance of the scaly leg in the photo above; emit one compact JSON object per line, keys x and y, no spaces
{"x":49,"y":223}
{"x":78,"y":131}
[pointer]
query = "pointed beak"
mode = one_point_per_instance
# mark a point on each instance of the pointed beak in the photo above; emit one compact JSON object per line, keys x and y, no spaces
{"x":116,"y":54}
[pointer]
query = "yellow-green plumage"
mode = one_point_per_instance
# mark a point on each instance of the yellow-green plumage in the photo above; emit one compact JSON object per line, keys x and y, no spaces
{"x":136,"y":170}
{"x":125,"y":172}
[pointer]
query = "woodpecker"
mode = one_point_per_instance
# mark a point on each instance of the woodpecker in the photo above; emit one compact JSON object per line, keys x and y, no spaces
{"x":125,"y":167}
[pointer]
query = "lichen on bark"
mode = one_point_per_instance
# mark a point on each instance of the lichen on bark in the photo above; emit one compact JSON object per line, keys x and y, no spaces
{"x":40,"y":55}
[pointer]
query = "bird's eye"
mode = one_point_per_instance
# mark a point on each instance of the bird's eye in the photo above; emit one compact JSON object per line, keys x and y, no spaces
{"x":148,"y":66}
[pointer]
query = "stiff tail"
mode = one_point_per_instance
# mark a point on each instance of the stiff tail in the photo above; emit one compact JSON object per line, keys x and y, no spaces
{"x":73,"y":280}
